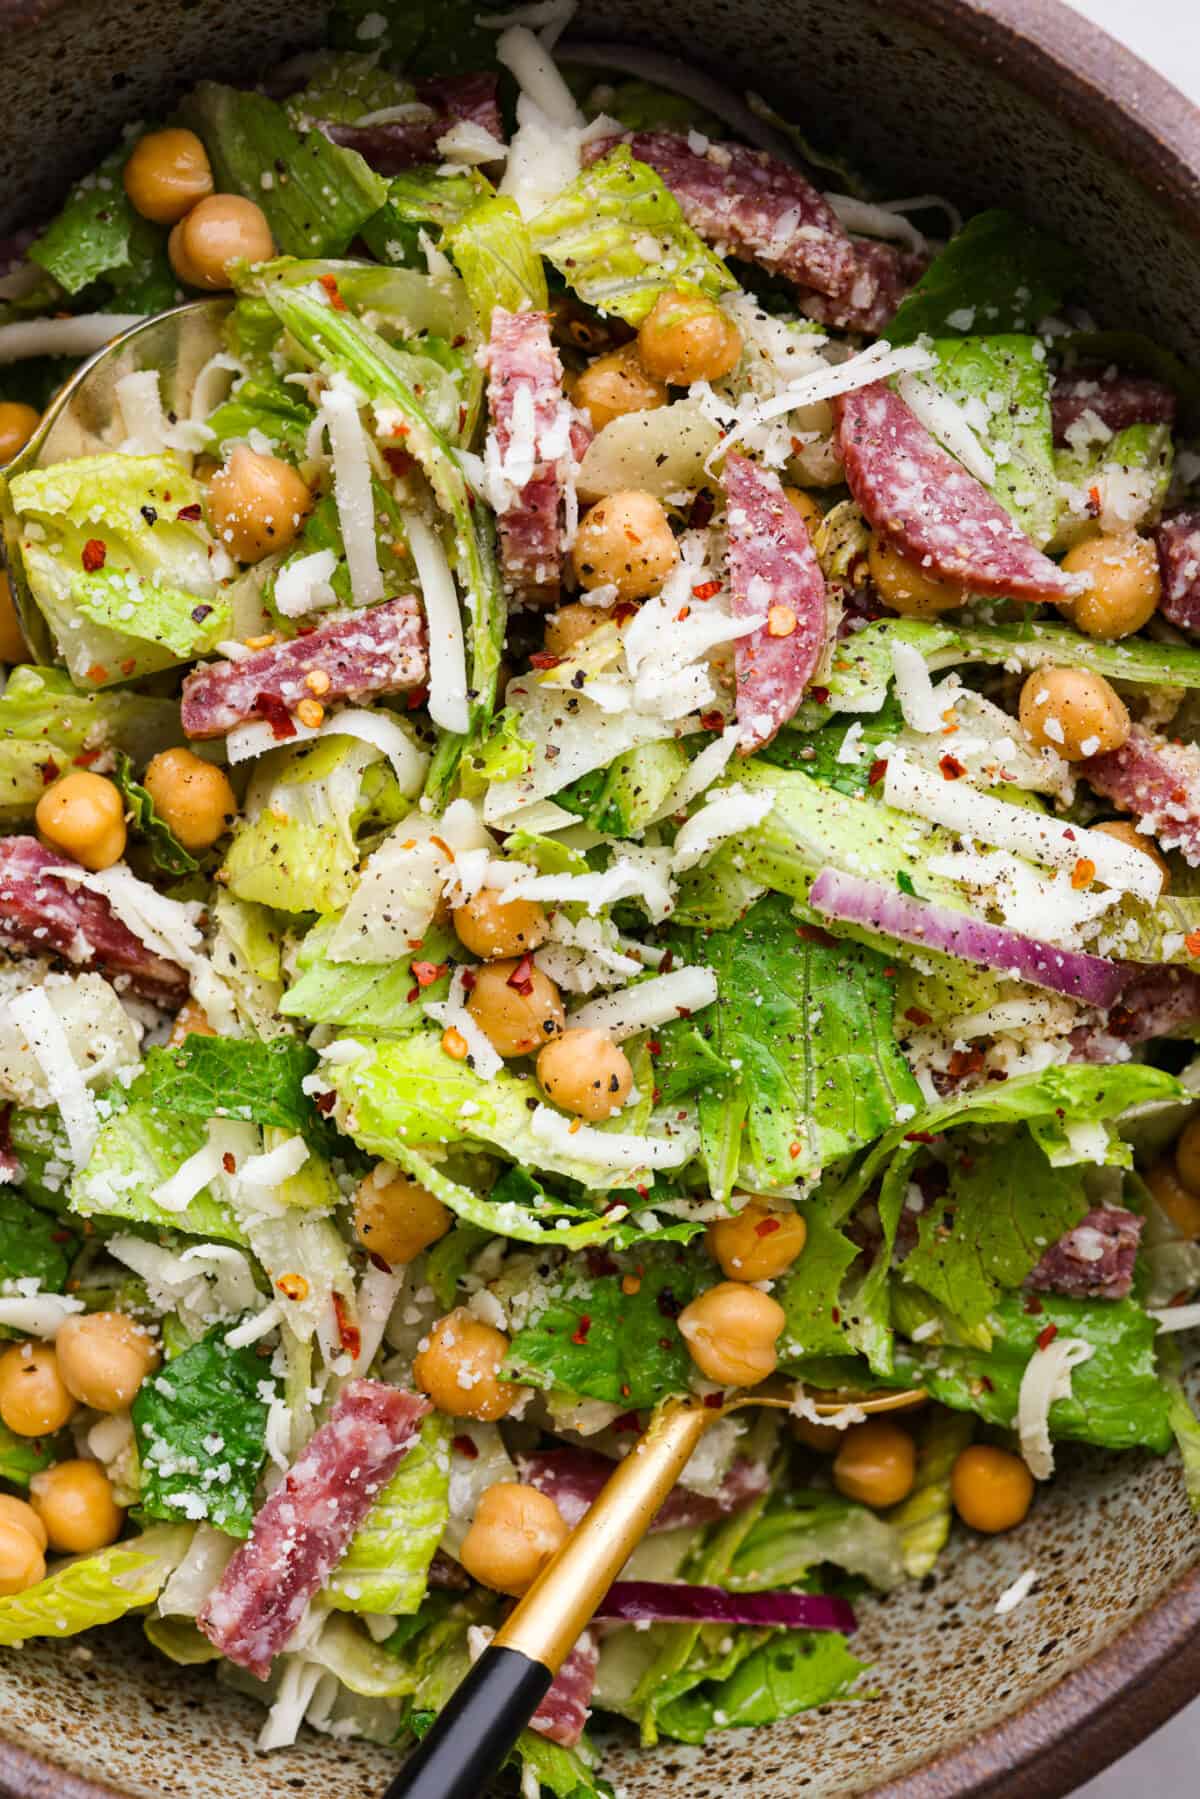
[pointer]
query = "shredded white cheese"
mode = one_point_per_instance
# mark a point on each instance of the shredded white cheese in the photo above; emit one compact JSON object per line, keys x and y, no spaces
{"x":724,"y":814}
{"x":352,"y":491}
{"x":528,"y":60}
{"x":914,"y":689}
{"x":878,"y":363}
{"x":189,"y":1179}
{"x":83,"y":335}
{"x":639,"y":876}
{"x":452,"y":1012}
{"x":448,"y":705}
{"x":652,"y":1002}
{"x":612,"y":1149}
{"x":1047,"y":1378}
{"x":1012,"y":1596}
{"x":947,"y":421}
{"x":39,"y":1314}
{"x":68,"y":1089}
{"x":303,"y":585}
{"x":1175,"y":1318}
{"x":148,"y":431}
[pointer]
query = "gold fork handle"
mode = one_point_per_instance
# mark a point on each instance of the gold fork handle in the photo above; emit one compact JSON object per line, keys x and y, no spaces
{"x":561,"y":1601}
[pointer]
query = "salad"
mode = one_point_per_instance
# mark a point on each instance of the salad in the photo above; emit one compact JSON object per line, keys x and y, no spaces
{"x":605,"y":801}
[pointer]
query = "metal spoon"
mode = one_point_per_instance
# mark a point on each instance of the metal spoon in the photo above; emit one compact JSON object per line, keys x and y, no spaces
{"x":84,"y":416}
{"x":475,"y":1732}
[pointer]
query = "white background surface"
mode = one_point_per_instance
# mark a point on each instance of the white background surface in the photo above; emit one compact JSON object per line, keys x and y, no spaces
{"x":1165,"y":33}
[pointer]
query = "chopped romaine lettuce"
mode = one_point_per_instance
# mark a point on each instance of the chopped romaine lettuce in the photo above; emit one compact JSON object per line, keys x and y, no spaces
{"x":34,"y":1245}
{"x":800,"y":1529}
{"x":201,"y":1430}
{"x":1002,"y":384}
{"x":45,"y":723}
{"x":922,"y":1521}
{"x":341,"y":86}
{"x":384,"y":998}
{"x":95,"y":1589}
{"x":559,"y":1771}
{"x":23,"y":1457}
{"x":1186,"y":1428}
{"x":119,"y":564}
{"x":259,"y":403}
{"x":495,"y":255}
{"x":138,"y":1149}
{"x":166,"y":852}
{"x":385,"y":1567}
{"x":999,"y":273}
{"x":621,"y":800}
{"x":792,"y":1671}
{"x":98,"y":236}
{"x":422,"y":202}
{"x":1125,"y":479}
{"x":225,"y":1077}
{"x":598,"y":231}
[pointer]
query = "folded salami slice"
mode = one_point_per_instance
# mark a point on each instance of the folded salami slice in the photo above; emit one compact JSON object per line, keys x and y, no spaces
{"x":1117,"y":400}
{"x":305,"y":1526}
{"x":381,"y":650}
{"x":1159,"y":782}
{"x":885,"y":272}
{"x":406,"y":143}
{"x":534,"y":439}
{"x":1178,"y":540}
{"x":44,"y":914}
{"x":774,"y":575}
{"x":573,"y":1478}
{"x":746,"y":204}
{"x":925,"y":503}
{"x":1154,"y":1003}
{"x":563,"y":1713}
{"x":1093,"y":1261}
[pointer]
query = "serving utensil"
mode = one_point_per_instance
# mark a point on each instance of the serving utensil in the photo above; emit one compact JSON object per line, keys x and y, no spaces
{"x":475,"y":1731}
{"x":84,"y":417}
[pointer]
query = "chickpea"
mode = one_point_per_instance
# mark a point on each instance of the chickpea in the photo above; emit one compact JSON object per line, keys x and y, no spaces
{"x":516,"y":1020}
{"x":905,"y":586}
{"x":74,"y":1500}
{"x":34,"y":1401}
{"x":1127,"y":833}
{"x":12,"y":638}
{"x":166,"y":174}
{"x":1177,"y":1200}
{"x":18,"y":423}
{"x":489,"y":926}
{"x":876,"y":1464}
{"x":1126,"y":586}
{"x":567,"y":628}
{"x":731,"y":1332}
{"x":83,"y":815}
{"x":1074,"y":712}
{"x":806,"y":506}
{"x":585,"y":1072}
{"x":515,"y":1531}
{"x":756,"y":1244}
{"x":192,"y":797}
{"x":398,"y":1220}
{"x":104,"y":1357}
{"x":615,"y":384}
{"x":191,"y":1020}
{"x":688,"y":338}
{"x":256,"y":504}
{"x":1187,"y":1156}
{"x":824,"y":1438}
{"x":625,"y":541}
{"x":14,"y":1512}
{"x":992,"y":1489}
{"x":458,"y":1368}
{"x":219,"y":230}
{"x":22,"y":1563}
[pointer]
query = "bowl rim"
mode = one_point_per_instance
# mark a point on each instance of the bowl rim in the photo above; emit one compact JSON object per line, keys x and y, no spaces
{"x":1151,"y":1669}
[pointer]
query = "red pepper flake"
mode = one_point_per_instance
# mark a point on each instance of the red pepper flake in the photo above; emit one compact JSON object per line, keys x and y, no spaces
{"x":469,"y":978}
{"x":964,"y":1062}
{"x":1033,"y":1305}
{"x":766,"y":1227}
{"x":417,"y":698}
{"x":642,"y":1191}
{"x":1047,"y":1336}
{"x":712,"y":721}
{"x":705,"y":590}
{"x":401,"y":462}
{"x":714,"y":1401}
{"x":1083,"y":874}
{"x":49,"y":771}
{"x":654,"y":1047}
{"x":329,"y":283}
{"x":521,"y":978}
{"x":795,"y":1150}
{"x":684,"y":612}
{"x":191,"y":513}
{"x":85,"y":758}
{"x":349,"y":1335}
{"x":412,"y":996}
{"x":667,"y":963}
{"x":94,"y":554}
{"x":325,"y":1102}
{"x":1094,"y":506}
{"x":1191,"y":943}
{"x":821,"y":695}
{"x":580,"y":1333}
{"x":919,"y":1137}
{"x":428,"y":972}
{"x":455,"y":1044}
{"x":916,"y":1016}
{"x":465,"y":1446}
{"x":877,"y":771}
{"x":229,"y":1162}
{"x":272,"y":708}
{"x":781,"y":621}
{"x":813,"y":933}
{"x":544,"y":659}
{"x":952,"y":769}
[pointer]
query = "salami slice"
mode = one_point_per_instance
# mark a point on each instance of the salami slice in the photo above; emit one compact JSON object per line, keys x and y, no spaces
{"x":1156,"y":1002}
{"x":573,"y":1478}
{"x":774,"y":575}
{"x":1159,"y":783}
{"x":381,"y":650}
{"x":305,"y":1526}
{"x":1093,"y":1261}
{"x":934,"y":513}
{"x":1117,"y":400}
{"x":47,"y":916}
{"x":1178,"y":540}
{"x":885,"y":272}
{"x":747,"y":204}
{"x":563,"y":1713}
{"x":534,"y":440}
{"x":406,"y":143}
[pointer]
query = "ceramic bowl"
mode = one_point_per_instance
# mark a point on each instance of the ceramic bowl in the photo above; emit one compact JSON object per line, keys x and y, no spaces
{"x":1023,"y":105}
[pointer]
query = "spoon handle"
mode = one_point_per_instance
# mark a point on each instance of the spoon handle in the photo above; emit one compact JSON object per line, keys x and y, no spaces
{"x":476,"y":1730}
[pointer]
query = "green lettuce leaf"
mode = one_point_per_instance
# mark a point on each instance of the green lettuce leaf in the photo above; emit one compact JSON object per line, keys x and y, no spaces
{"x":386,"y":1565}
{"x":383,"y":998}
{"x":45,"y":723}
{"x":551,"y":1223}
{"x":23,"y":1457}
{"x":1000,"y":273}
{"x":265,"y":404}
{"x":816,"y":753}
{"x":98,"y":236}
{"x":201,"y":1426}
{"x":819,"y":1322}
{"x":153,"y":601}
{"x":227,"y":1077}
{"x":323,"y":531}
{"x":1186,"y":1428}
{"x":319,"y":195}
{"x":139,"y":1148}
{"x":34,"y":1245}
{"x":557,"y":1770}
{"x":1008,"y":376}
{"x":596,"y":231}
{"x":495,"y":255}
{"x":95,"y":1589}
{"x":500,"y":753}
{"x":922,"y":1521}
{"x":799,"y":1530}
{"x":421,"y":37}
{"x":1146,"y":451}
{"x":792,"y":1672}
{"x":342,"y":86}
{"x":422,"y":200}
{"x":166,"y":852}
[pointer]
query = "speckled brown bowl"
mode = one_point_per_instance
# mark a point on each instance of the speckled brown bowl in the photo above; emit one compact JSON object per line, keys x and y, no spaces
{"x":1012,"y":101}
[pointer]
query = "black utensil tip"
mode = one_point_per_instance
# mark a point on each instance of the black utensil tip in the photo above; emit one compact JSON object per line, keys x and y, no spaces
{"x":464,"y":1750}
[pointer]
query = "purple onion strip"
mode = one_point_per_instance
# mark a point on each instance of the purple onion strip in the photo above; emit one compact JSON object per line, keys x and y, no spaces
{"x":670,"y":1602}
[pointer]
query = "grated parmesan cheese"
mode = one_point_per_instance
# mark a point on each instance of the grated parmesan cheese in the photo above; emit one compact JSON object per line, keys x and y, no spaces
{"x":914,"y":689}
{"x":726,"y":813}
{"x":448,"y":705}
{"x":612,"y":1149}
{"x":38,"y":1314}
{"x":1047,"y":1378}
{"x":946,"y":420}
{"x":68,"y":1089}
{"x":352,"y":491}
{"x":303,"y":585}
{"x":656,"y":1001}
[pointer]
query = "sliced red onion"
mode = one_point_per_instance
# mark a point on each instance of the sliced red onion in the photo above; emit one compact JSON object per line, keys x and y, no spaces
{"x":851,"y":900}
{"x":671,"y":1602}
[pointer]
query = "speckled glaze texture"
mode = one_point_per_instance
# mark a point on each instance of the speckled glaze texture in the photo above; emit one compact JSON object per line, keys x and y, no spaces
{"x":1020,"y":104}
